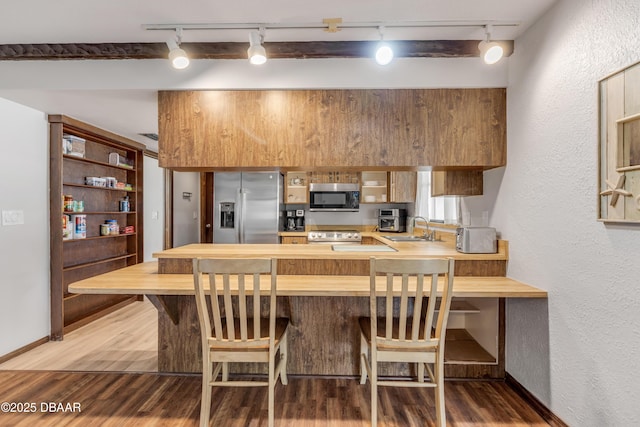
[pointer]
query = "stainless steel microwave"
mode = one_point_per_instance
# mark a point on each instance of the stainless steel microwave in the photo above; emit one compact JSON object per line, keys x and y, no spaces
{"x":335,"y":197}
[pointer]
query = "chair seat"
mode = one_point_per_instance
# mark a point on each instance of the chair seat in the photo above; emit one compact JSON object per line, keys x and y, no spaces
{"x":282,"y":323}
{"x":365,"y":328}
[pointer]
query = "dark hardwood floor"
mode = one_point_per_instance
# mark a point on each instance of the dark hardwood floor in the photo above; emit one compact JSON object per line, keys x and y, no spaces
{"x":149,"y":399}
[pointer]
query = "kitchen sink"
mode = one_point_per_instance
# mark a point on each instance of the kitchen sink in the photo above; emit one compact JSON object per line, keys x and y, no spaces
{"x":406,"y":238}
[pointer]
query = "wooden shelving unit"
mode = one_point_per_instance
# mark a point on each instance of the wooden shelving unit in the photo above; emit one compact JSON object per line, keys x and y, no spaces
{"x":80,"y":258}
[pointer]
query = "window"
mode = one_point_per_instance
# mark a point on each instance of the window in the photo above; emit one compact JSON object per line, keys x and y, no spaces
{"x":444,"y":209}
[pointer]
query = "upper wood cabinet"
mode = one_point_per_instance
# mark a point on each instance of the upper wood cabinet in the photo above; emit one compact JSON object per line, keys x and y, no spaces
{"x":402,"y":187}
{"x":296,"y":188}
{"x":456,"y":183}
{"x":312,"y":129}
{"x":374,"y":188}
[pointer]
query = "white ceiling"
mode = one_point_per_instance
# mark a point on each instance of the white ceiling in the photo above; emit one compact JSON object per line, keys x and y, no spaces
{"x":129,"y":107}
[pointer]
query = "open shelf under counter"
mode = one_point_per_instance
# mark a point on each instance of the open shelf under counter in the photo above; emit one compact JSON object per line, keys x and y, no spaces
{"x":461,"y":347}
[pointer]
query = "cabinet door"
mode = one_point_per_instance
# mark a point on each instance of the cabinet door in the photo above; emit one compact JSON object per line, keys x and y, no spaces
{"x":293,"y":240}
{"x":403,"y":187}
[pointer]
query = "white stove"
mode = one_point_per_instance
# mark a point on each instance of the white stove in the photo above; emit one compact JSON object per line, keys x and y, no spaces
{"x":334,"y":237}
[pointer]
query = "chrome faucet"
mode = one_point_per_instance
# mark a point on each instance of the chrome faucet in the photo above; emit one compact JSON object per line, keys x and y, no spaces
{"x":430,"y":236}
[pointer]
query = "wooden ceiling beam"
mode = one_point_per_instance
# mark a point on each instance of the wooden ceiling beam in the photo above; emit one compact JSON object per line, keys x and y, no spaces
{"x":237,"y":50}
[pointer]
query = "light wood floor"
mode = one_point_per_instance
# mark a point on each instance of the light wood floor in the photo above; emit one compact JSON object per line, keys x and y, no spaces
{"x":125,"y":340}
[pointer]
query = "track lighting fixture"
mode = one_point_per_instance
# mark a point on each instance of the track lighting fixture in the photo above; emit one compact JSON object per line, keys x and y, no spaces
{"x":384,"y":53}
{"x":490,"y":52}
{"x":256,"y":53}
{"x":177,"y":56}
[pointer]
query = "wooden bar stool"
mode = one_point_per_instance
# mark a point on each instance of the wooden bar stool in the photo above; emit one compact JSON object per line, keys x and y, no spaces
{"x":409,"y":337}
{"x":239,"y":333}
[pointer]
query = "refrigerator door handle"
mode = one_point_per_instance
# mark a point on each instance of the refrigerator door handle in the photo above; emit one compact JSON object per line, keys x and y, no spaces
{"x":243,"y":214}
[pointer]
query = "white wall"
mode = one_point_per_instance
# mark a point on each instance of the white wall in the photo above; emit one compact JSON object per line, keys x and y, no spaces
{"x":186,"y":212}
{"x":24,"y":249}
{"x":579,"y":352}
{"x":153,"y":208}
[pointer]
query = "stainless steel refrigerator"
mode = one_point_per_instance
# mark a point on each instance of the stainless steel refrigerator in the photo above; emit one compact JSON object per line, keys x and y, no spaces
{"x":248,"y":207}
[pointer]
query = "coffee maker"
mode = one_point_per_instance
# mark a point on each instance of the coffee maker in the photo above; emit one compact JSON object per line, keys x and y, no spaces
{"x":300,"y":220}
{"x":290,"y":224}
{"x":295,"y":220}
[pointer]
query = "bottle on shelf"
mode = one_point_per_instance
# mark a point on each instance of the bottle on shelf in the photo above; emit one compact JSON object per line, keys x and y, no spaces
{"x":125,"y":206}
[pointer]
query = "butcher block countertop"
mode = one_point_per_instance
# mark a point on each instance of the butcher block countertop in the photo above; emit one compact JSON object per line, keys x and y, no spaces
{"x":143,"y":279}
{"x":324,"y":251}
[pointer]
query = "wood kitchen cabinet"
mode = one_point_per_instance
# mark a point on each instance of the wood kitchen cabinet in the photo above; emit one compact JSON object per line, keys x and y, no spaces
{"x":456,"y":183}
{"x":88,"y":254}
{"x":402,"y":187}
{"x":295,"y":240}
{"x":296,"y":186}
{"x":388,"y":187}
{"x":374,"y":187}
{"x":335,"y":128}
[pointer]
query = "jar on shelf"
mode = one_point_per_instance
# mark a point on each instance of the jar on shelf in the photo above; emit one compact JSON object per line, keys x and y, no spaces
{"x":68,"y":203}
{"x":113,"y":226}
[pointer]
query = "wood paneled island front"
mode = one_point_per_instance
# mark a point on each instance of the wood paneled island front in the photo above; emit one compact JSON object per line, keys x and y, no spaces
{"x":324,"y":292}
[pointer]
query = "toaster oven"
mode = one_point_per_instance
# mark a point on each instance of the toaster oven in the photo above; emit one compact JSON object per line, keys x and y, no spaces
{"x":476,"y":240}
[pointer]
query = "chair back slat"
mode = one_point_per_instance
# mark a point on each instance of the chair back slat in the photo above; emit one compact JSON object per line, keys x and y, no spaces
{"x":231,"y":322}
{"x":228,"y":307}
{"x":256,"y":305}
{"x":404,"y":302}
{"x":242,"y":308}
{"x":417,"y":308}
{"x":215,"y":306}
{"x":389,"y":307}
{"x":407,"y":324}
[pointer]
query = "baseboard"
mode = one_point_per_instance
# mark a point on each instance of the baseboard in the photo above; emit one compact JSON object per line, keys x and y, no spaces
{"x":24,"y":349}
{"x":552,"y":419}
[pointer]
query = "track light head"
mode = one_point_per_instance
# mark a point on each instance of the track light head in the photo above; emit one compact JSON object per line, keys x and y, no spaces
{"x":256,"y":52}
{"x":490,"y":52}
{"x":384,"y":53}
{"x":177,"y":56}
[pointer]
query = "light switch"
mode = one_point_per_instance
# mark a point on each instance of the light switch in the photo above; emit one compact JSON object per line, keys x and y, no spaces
{"x":12,"y":217}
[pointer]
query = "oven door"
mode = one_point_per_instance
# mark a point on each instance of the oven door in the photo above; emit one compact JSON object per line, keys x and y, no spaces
{"x":334,"y":201}
{"x":389,"y":223}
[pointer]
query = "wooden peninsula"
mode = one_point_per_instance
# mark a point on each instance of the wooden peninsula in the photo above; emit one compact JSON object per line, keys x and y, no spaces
{"x":324,"y":291}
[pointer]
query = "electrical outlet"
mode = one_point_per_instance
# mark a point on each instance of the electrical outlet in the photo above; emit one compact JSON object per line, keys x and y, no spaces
{"x":12,"y":217}
{"x":154,"y":215}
